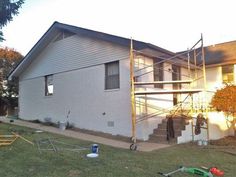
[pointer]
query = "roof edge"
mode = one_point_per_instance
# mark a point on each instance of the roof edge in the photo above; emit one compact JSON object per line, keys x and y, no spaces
{"x":11,"y":74}
{"x":43,"y":41}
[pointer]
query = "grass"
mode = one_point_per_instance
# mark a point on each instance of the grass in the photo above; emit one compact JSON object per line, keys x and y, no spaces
{"x":24,"y":160}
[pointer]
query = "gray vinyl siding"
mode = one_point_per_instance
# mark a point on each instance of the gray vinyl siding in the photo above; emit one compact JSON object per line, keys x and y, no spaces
{"x":73,"y":53}
{"x":78,"y":67}
{"x":82,"y":93}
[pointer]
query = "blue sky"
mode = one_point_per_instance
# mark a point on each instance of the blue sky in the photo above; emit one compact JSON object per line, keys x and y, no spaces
{"x":172,"y":24}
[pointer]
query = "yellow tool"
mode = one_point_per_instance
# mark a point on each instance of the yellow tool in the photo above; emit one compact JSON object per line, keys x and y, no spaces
{"x":6,"y":140}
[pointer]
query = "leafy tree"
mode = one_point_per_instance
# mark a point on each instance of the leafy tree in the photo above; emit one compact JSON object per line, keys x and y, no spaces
{"x":8,"y":8}
{"x":9,"y":58}
{"x":225,"y":100}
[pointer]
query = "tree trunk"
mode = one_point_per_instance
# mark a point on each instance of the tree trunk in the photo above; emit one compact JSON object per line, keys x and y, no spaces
{"x":234,"y":126}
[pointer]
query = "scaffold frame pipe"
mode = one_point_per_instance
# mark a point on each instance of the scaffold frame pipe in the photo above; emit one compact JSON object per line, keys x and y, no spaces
{"x":133,"y":110}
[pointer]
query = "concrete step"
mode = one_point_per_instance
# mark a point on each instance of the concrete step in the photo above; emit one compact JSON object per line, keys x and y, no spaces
{"x":157,"y":138}
{"x":174,"y":121}
{"x":163,"y":132}
{"x":159,"y":134}
{"x":159,"y":131}
{"x":176,"y":126}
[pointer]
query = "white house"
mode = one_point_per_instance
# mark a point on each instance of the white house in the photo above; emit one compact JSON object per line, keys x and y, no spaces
{"x":84,"y":72}
{"x":220,"y":70}
{"x":83,"y":76}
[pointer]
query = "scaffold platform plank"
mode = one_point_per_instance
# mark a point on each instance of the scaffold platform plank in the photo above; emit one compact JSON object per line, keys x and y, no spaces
{"x":164,"y":82}
{"x":168,"y":92}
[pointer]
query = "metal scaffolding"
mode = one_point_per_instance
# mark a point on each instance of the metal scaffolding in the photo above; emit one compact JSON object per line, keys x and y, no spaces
{"x":193,"y":60}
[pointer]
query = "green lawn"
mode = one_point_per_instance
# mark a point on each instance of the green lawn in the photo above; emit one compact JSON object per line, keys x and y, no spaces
{"x":24,"y":160}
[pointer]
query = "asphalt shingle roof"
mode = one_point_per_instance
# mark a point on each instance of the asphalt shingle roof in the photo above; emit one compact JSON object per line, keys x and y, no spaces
{"x":218,"y":54}
{"x":223,"y":53}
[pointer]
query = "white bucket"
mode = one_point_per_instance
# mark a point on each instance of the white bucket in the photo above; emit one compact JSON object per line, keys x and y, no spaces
{"x":205,"y":142}
{"x":199,"y":142}
{"x":62,"y":125}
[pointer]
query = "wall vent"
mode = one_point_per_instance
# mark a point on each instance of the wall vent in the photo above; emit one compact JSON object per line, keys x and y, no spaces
{"x":110,"y":123}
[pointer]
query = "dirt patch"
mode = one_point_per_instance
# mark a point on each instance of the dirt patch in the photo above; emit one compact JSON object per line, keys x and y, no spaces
{"x":226,"y":141}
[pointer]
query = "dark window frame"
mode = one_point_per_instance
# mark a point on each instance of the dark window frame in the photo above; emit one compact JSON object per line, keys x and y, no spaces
{"x":48,"y":83}
{"x":112,"y":80}
{"x":227,"y":71}
{"x":176,"y":76}
{"x":158,"y":72}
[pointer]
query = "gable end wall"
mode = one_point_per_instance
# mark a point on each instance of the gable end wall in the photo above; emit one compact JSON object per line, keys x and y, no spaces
{"x":77,"y":65}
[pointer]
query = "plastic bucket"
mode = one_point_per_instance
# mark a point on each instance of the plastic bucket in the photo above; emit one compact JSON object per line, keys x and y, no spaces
{"x":62,"y":125}
{"x":94,"y":148}
{"x":205,"y":142}
{"x":199,"y":142}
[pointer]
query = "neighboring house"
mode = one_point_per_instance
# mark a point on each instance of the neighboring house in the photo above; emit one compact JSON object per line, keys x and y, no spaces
{"x":220,"y":70}
{"x":83,"y":76}
{"x":221,"y":64}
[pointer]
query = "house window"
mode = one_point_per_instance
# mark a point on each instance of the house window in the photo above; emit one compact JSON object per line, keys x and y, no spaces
{"x":176,"y":77}
{"x":228,"y":74}
{"x":112,"y":75}
{"x":158,"y":72}
{"x":48,"y":85}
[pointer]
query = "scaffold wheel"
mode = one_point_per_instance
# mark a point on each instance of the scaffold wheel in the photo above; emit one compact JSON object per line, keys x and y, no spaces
{"x":133,"y":147}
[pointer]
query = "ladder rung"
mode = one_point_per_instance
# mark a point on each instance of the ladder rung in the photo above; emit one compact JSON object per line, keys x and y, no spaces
{"x":6,"y":140}
{"x":4,"y":144}
{"x":7,"y":136}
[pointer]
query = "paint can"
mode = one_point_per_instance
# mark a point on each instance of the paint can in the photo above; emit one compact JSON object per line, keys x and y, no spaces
{"x":94,"y":148}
